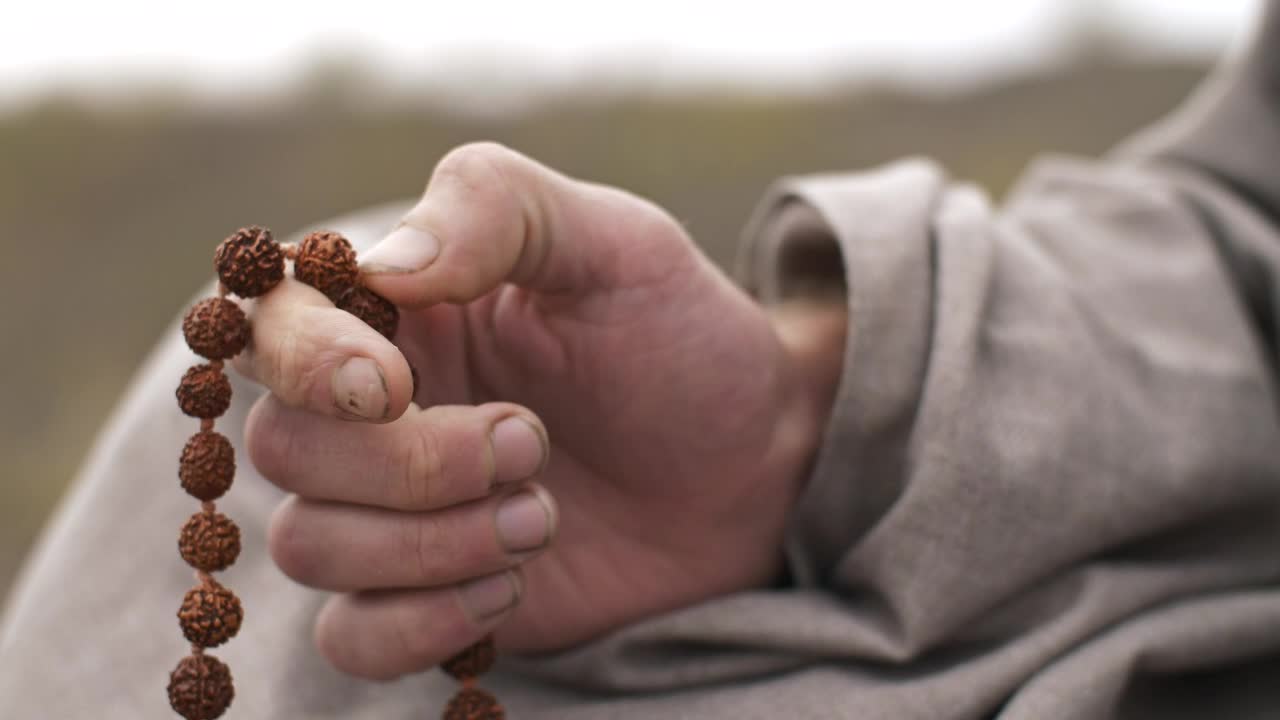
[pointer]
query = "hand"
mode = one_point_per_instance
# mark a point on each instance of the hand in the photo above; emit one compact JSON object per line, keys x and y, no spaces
{"x":586,"y":374}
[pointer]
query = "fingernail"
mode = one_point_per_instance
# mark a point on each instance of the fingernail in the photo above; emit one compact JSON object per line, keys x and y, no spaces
{"x":359,"y":389}
{"x":490,"y":596}
{"x":525,"y":521}
{"x":407,"y":249}
{"x":518,"y":450}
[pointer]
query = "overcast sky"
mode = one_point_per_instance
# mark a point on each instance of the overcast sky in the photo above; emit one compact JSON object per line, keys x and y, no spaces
{"x":228,"y":45}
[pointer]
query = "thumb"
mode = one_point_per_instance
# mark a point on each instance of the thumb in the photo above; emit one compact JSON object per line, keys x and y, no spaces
{"x":490,"y":215}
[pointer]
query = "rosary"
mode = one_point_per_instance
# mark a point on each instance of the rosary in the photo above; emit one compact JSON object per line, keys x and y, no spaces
{"x":250,"y":263}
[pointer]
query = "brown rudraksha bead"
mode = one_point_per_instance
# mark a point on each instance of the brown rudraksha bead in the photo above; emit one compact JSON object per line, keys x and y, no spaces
{"x":204,"y":392}
{"x":216,"y":328}
{"x":200,"y":687}
{"x":471,"y":662}
{"x":208,"y":465}
{"x":249,"y":263}
{"x":376,"y":311}
{"x":210,"y":614}
{"x":326,"y":262}
{"x":471,"y":703}
{"x":209,"y":541}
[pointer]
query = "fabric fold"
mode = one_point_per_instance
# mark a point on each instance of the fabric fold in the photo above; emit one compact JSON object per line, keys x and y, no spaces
{"x":880,"y":221}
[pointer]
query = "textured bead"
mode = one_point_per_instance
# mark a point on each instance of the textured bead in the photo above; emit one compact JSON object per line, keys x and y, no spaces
{"x":209,"y":542}
{"x":376,"y":311}
{"x":204,"y":392}
{"x":249,"y":263}
{"x":210,"y":614}
{"x":200,"y":687}
{"x":471,"y":662}
{"x":216,"y":328}
{"x":207,"y":466}
{"x":327,"y":263}
{"x":473,"y":704}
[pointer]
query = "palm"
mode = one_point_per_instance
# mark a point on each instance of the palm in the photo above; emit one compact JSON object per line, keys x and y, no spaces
{"x":660,"y":396}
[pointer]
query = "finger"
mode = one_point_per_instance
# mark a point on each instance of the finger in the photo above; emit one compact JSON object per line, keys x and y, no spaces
{"x":335,"y":546}
{"x":314,"y":356}
{"x":490,"y":215}
{"x":426,"y":459}
{"x":381,"y":636}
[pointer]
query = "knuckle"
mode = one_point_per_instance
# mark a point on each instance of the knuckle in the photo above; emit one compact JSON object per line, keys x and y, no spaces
{"x":336,"y":635}
{"x":485,"y":170}
{"x":286,"y":541}
{"x":476,"y":162}
{"x":326,"y":637}
{"x":425,"y":550}
{"x":332,"y":646}
{"x":286,"y":367}
{"x":418,"y":639}
{"x":423,"y":472}
{"x":269,"y":443}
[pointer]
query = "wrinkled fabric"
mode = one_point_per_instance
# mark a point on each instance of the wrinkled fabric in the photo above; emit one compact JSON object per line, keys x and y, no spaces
{"x":1049,"y":488}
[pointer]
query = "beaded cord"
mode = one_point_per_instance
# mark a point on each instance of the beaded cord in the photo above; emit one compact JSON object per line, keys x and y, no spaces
{"x":249,"y":264}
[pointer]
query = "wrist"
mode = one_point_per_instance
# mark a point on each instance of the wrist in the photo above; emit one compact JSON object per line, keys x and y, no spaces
{"x":811,"y":335}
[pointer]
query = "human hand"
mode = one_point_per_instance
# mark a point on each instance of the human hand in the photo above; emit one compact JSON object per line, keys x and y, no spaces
{"x":585,"y":374}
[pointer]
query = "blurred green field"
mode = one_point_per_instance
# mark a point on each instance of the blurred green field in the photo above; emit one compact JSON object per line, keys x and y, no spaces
{"x":108,"y":218}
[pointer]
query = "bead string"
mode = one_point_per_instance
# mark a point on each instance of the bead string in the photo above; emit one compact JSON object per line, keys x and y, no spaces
{"x":250,"y":264}
{"x":200,"y":687}
{"x":470,"y":702}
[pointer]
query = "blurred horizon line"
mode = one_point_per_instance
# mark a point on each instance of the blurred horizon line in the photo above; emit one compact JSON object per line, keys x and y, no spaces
{"x":476,"y":84}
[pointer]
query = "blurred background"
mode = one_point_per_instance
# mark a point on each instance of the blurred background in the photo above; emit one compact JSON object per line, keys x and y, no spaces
{"x":134,"y":136}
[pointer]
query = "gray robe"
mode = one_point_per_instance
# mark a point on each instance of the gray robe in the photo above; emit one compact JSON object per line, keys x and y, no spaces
{"x":1049,"y":488}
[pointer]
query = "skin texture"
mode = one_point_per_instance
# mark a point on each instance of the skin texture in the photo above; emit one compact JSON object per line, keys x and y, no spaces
{"x":669,"y":422}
